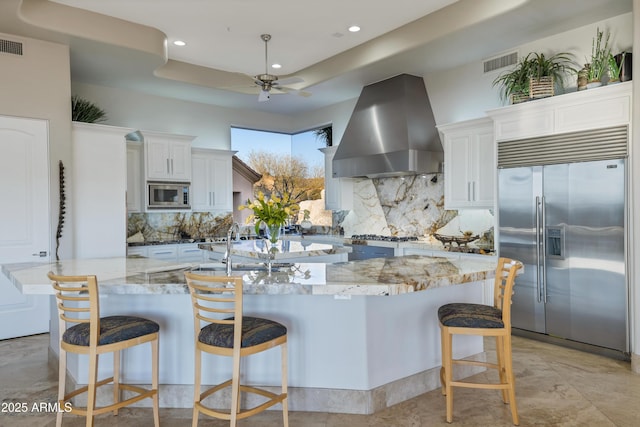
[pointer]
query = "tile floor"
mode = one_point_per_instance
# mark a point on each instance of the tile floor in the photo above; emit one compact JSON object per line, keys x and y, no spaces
{"x":555,"y":387}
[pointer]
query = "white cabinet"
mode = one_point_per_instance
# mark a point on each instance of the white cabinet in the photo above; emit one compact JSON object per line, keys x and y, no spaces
{"x":163,"y":252}
{"x":135,"y":194}
{"x":137,"y":250}
{"x":190,"y":253}
{"x":182,"y":252}
{"x":338,"y":192}
{"x":588,"y":109}
{"x":98,"y":190}
{"x":212,"y":180}
{"x":470,"y":165}
{"x":167,"y":157}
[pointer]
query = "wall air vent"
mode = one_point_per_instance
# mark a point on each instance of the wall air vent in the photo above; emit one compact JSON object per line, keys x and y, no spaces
{"x":500,"y":62}
{"x":8,"y":46}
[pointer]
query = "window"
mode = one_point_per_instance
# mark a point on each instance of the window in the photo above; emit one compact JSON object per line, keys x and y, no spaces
{"x":289,"y":164}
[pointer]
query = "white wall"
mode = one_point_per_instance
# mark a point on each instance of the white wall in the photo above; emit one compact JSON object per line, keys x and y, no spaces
{"x":38,"y":85}
{"x":466,"y":92}
{"x":208,"y":123}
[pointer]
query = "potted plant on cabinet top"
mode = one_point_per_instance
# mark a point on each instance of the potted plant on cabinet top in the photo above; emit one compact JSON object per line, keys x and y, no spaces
{"x":534,"y":76}
{"x":515,"y":83}
{"x":547,"y":71}
{"x":615,"y":68}
{"x":599,"y":64}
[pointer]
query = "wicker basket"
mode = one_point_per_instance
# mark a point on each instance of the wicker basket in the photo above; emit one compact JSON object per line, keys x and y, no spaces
{"x":517,"y":98}
{"x":540,"y":88}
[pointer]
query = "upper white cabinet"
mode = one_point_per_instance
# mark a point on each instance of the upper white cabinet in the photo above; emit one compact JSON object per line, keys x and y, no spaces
{"x":469,"y":164}
{"x":135,"y":185}
{"x":338,"y":192}
{"x":212,"y":180}
{"x":589,"y":109}
{"x":167,"y":157}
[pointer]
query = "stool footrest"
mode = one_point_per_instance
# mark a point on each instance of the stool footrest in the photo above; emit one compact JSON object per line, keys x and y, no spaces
{"x":274,"y":399}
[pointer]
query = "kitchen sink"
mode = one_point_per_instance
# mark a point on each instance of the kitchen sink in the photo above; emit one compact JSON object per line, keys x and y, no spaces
{"x":241,"y":267}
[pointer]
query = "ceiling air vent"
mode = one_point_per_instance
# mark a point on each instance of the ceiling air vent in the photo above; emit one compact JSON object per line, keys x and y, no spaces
{"x":500,"y":62}
{"x":8,"y":46}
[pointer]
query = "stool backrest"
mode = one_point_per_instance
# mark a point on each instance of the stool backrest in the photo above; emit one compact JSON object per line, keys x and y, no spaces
{"x":215,"y":300}
{"x":78,"y":302}
{"x":503,"y":287}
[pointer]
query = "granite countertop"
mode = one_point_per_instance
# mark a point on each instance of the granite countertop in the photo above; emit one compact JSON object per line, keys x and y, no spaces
{"x":379,"y":276}
{"x":284,"y":249}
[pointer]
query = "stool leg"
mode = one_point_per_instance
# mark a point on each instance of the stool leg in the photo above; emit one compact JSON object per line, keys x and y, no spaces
{"x":508,"y":363}
{"x":62,"y":375}
{"x":235,"y":387}
{"x":285,"y":402}
{"x":116,"y":378}
{"x":154,"y":382}
{"x":196,"y":386}
{"x":91,"y":389}
{"x":447,"y":364}
{"x":443,"y":345}
{"x":500,"y":351}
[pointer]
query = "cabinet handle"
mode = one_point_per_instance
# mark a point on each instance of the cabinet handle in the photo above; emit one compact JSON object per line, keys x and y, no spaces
{"x":469,"y":191}
{"x":213,"y":198}
{"x":168,"y":170}
{"x":171,"y":166}
{"x":473,"y":186}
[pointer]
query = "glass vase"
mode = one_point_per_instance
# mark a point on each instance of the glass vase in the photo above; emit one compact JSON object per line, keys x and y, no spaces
{"x":273,"y":232}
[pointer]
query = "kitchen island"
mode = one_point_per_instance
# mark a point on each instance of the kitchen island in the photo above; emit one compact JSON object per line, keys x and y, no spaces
{"x":363,"y":335}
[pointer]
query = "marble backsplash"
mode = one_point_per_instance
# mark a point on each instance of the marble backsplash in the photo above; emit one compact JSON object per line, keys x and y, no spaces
{"x":408,"y":206}
{"x":162,"y":226}
{"x":400,"y":206}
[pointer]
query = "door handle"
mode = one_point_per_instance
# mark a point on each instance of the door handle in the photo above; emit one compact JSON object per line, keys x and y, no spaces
{"x":544,"y":251}
{"x":537,"y":209}
{"x":41,"y":254}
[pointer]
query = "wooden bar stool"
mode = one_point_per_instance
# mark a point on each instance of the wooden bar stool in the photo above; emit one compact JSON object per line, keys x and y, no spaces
{"x":217,"y":301}
{"x":78,"y":302}
{"x":485,"y":320}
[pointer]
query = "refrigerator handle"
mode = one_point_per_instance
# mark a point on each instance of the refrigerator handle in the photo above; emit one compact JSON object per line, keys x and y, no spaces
{"x":537,"y":208}
{"x":544,"y":251}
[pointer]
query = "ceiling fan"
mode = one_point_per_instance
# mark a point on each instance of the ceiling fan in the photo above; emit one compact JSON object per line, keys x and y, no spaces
{"x":268,"y":84}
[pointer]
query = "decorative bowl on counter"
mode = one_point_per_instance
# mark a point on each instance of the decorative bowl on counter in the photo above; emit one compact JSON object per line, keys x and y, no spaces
{"x":459,"y":240}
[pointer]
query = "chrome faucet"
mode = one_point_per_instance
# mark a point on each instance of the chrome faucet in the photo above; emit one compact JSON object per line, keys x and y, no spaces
{"x":227,"y":255}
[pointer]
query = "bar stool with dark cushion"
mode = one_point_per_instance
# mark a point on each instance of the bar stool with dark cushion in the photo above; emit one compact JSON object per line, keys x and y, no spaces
{"x":485,"y":320}
{"x":78,"y":302}
{"x":217,"y":301}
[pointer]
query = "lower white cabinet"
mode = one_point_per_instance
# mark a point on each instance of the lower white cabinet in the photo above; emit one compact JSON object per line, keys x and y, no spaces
{"x":177,"y":252}
{"x":470,"y":164}
{"x":212,"y":180}
{"x":338,"y":192}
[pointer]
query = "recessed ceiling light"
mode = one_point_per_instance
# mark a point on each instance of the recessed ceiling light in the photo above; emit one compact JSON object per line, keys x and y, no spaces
{"x":179,"y":43}
{"x":276,"y":66}
{"x":354,"y":28}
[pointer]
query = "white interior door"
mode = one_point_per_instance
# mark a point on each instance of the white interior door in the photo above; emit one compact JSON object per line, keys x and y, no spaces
{"x":24,"y":219}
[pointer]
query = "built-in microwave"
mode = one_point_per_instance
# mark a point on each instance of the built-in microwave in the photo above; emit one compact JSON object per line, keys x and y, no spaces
{"x":168,"y":195}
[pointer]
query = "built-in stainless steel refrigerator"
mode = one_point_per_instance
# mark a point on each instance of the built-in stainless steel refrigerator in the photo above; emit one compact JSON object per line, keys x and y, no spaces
{"x":566,"y":223}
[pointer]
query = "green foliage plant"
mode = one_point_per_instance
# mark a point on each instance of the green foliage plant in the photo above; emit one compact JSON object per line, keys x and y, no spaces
{"x":555,"y":66}
{"x":324,"y":134}
{"x":614,"y":68}
{"x":86,"y":111}
{"x":515,"y":83}
{"x":533,"y":66}
{"x":600,"y":52}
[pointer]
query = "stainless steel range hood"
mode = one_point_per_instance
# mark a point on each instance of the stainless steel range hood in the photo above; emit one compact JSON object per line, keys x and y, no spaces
{"x":391,"y":132}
